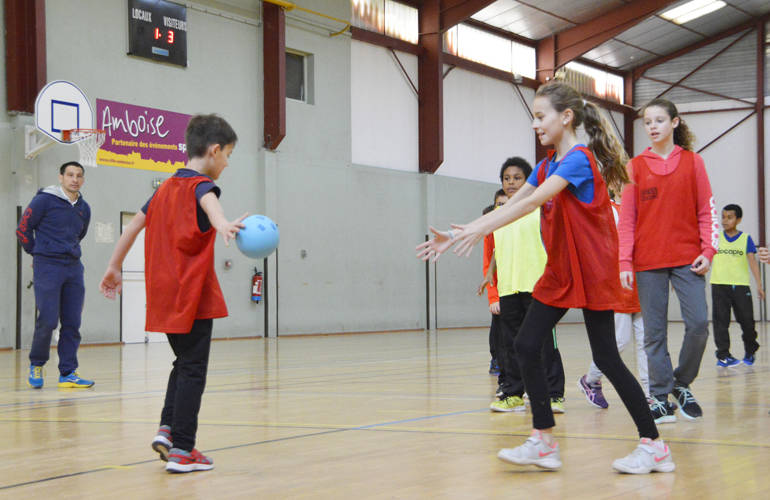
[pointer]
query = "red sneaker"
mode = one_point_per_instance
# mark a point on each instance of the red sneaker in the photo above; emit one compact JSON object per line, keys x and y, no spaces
{"x":187,"y":461}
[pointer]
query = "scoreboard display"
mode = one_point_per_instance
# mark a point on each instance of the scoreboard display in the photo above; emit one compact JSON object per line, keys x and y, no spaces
{"x":157,"y":30}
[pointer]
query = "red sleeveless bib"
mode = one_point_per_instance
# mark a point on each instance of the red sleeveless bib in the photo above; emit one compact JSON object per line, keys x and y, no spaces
{"x":180,"y":281}
{"x":582,"y":245}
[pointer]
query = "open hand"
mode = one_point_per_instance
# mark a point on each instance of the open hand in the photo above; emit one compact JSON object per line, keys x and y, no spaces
{"x":112,"y":283}
{"x":434,"y":247}
{"x":229,"y":230}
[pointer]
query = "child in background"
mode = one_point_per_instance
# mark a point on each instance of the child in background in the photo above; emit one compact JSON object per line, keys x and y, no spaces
{"x":582,"y":268}
{"x":519,"y":261}
{"x":628,"y":321}
{"x":491,"y":287}
{"x":668,"y":233}
{"x":183,"y":218}
{"x":730,"y":288}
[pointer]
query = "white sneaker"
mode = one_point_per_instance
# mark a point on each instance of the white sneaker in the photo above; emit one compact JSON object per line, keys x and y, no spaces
{"x":534,"y":451}
{"x":649,"y":456}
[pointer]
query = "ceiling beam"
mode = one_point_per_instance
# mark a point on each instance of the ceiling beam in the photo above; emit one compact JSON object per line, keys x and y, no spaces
{"x":25,"y":53}
{"x":572,"y":43}
{"x":430,"y":84}
{"x":641,"y":69}
{"x":456,"y":11}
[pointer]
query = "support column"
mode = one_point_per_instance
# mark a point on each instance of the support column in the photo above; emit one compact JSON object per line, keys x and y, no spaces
{"x":25,"y":55}
{"x":274,"y":70}
{"x":760,"y":107}
{"x":630,"y":115}
{"x":431,"y":87}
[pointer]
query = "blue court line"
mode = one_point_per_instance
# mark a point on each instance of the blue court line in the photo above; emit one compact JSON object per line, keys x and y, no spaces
{"x":417,"y":419}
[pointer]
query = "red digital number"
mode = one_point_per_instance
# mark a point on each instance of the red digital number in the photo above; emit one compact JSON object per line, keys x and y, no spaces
{"x":156,"y":34}
{"x":170,"y":38}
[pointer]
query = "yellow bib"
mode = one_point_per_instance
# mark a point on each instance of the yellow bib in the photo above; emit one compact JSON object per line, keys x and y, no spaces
{"x":520,"y":255}
{"x":730,"y":265}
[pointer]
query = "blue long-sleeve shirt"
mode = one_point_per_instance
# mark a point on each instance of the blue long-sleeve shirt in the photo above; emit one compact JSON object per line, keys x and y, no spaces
{"x":53,"y":226}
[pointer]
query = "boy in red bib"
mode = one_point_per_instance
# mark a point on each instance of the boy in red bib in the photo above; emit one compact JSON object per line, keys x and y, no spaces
{"x":183,"y":294}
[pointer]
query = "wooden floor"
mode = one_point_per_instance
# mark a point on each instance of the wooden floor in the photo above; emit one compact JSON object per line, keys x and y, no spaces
{"x":398,"y":415}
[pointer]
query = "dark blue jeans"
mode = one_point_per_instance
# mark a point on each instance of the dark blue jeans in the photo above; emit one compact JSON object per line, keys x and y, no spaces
{"x":187,"y":382}
{"x":59,"y":294}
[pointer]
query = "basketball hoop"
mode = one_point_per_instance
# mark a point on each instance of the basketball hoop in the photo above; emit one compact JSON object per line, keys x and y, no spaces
{"x":89,"y":140}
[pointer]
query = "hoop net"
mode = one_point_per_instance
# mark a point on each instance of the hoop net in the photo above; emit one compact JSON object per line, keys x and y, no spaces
{"x":88,"y":140}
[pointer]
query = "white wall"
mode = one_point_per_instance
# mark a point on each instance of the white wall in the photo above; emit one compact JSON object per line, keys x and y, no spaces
{"x":384,"y":129}
{"x":484,"y":123}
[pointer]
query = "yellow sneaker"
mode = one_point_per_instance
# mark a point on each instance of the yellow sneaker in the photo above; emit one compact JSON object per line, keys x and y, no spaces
{"x":557,"y":405}
{"x":511,"y":403}
{"x":74,"y":380}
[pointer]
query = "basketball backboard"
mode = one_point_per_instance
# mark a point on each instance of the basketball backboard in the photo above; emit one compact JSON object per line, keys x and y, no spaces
{"x":61,"y":105}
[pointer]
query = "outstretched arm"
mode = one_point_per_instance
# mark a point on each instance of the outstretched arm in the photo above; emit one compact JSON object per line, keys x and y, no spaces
{"x":112,"y":281}
{"x":228,"y":229}
{"x":469,"y":234}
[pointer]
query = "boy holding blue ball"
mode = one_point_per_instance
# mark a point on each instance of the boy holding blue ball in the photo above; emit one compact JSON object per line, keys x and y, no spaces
{"x":183,"y":294}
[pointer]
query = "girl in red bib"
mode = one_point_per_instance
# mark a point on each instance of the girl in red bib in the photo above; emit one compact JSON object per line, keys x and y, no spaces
{"x":581,"y":241}
{"x":668,"y":233}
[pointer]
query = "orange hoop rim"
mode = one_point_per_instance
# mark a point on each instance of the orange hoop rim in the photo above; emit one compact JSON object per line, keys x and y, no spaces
{"x":66,"y":135}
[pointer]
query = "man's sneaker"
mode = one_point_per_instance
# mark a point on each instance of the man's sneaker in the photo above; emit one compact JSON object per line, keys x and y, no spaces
{"x":649,"y":456}
{"x":162,"y":442}
{"x":187,"y":461}
{"x":494,"y":369}
{"x":74,"y":380}
{"x":557,"y":405}
{"x":511,"y":403}
{"x":35,"y":379}
{"x":593,"y":392}
{"x":686,"y":402}
{"x":662,"y":411}
{"x":534,"y":451}
{"x":749,"y":360}
{"x":728,"y":362}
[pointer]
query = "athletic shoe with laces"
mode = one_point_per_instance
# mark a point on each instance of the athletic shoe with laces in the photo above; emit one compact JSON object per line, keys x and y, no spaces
{"x":749,"y":360}
{"x":649,"y":456}
{"x":662,"y":411}
{"x":727,"y":362}
{"x":688,"y":406}
{"x":187,"y":461}
{"x":557,"y":405}
{"x":494,"y":369}
{"x":35,"y":379}
{"x":74,"y":380}
{"x":534,"y":451}
{"x":593,"y":392}
{"x":163,"y":442}
{"x":511,"y":403}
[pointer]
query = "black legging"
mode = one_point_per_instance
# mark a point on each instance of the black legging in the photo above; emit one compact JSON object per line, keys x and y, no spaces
{"x":600,"y":325}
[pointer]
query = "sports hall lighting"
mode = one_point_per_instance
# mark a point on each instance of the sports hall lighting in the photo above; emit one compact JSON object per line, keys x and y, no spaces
{"x":692,"y":10}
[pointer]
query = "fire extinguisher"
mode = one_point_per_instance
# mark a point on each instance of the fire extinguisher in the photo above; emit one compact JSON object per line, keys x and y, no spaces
{"x":256,"y":286}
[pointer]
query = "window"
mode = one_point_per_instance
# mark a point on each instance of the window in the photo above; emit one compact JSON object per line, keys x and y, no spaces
{"x":299,"y":72}
{"x":387,"y":17}
{"x":490,"y":50}
{"x":595,"y":82}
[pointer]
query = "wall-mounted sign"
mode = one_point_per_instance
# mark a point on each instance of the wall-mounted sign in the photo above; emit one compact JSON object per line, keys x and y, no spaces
{"x":140,"y":137}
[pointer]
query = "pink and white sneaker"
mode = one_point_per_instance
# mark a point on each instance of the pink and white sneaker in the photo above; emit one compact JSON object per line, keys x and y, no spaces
{"x":534,"y":451}
{"x":649,"y":456}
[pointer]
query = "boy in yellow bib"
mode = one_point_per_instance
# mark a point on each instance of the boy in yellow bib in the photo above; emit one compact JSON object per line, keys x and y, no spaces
{"x":730,"y":288}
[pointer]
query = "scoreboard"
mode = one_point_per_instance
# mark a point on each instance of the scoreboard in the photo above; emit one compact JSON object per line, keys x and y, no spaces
{"x":157,"y":30}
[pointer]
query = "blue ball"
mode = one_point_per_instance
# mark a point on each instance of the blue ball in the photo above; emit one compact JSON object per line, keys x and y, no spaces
{"x":259,"y":238}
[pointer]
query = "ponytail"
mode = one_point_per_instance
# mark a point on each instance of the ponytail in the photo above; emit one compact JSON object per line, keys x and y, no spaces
{"x":683,"y":136}
{"x":604,"y":144}
{"x":606,"y":147}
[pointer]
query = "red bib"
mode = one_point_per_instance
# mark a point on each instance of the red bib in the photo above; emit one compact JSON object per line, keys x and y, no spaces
{"x":629,"y":299}
{"x":582,"y":245}
{"x":180,"y":281}
{"x":666,"y":232}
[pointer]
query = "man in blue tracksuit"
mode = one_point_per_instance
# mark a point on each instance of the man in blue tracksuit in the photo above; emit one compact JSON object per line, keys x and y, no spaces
{"x":50,"y":230}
